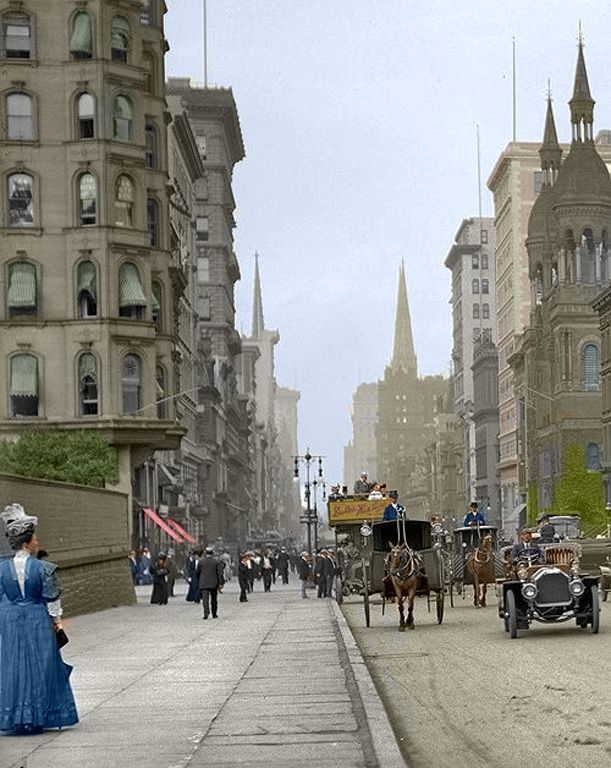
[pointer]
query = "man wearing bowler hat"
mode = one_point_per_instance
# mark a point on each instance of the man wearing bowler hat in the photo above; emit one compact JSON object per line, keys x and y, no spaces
{"x":394,"y":510}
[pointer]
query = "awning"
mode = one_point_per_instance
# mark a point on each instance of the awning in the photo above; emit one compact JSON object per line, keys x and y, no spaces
{"x":131,"y":293}
{"x":22,"y":285}
{"x":163,"y":525}
{"x":24,"y":376}
{"x":181,"y":530}
{"x":172,"y":478}
{"x":80,"y":39}
{"x":86,"y":279}
{"x":120,"y":33}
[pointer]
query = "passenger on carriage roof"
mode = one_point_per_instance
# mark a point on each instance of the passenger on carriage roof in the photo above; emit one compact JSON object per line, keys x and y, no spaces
{"x":526,"y":549}
{"x":473,"y":516}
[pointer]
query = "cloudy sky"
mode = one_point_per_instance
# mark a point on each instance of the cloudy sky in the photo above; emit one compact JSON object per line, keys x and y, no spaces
{"x":359,"y":118}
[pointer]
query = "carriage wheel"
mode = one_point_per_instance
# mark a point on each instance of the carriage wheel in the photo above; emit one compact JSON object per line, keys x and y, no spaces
{"x":366,"y":595}
{"x":439,"y":606}
{"x":339,"y":590}
{"x":451,"y":591}
{"x":512,"y":611}
{"x":595,"y":609}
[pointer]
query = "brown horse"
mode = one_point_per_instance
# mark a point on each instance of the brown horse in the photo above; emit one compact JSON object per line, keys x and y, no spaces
{"x":480,"y":564}
{"x":402,"y":566}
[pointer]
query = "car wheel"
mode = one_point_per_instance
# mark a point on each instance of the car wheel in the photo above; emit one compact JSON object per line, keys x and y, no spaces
{"x":595,"y":609}
{"x":512,"y":614}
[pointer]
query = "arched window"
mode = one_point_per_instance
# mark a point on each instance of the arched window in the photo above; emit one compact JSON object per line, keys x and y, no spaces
{"x":88,"y":385}
{"x":124,"y":202}
{"x":590,"y":368}
{"x":80,"y":36}
{"x":88,"y":195}
{"x":132,"y":299}
{"x":122,"y":112}
{"x":20,"y":200}
{"x":19,"y":117}
{"x":586,"y":256}
{"x":22,"y":294}
{"x":152,"y":221}
{"x":131,"y":375}
{"x":23,"y":385}
{"x":150,"y":146}
{"x":539,"y":285}
{"x":475,"y":286}
{"x":86,"y":290}
{"x":85,"y":116}
{"x":156,"y":304}
{"x":120,"y":35}
{"x":161,"y":392}
{"x":17,"y":36}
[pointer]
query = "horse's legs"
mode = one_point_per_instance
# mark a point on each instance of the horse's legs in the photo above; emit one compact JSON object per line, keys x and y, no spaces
{"x":410,"y":608}
{"x":475,"y":590}
{"x":482,"y":600}
{"x":401,"y":613}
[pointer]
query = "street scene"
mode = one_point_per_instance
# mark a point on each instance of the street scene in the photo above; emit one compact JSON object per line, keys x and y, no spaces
{"x":305,"y":383}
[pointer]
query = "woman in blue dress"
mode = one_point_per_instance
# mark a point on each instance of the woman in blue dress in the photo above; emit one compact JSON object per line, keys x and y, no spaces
{"x":35,"y":690}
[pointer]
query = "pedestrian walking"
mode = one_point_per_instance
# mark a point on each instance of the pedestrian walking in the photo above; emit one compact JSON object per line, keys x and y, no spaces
{"x":303,"y":571}
{"x":267,"y":570}
{"x":170,"y":564}
{"x":210,"y":581}
{"x":35,"y":690}
{"x":194,"y":594}
{"x":145,"y":567}
{"x":159,"y":572}
{"x":282,"y":562}
{"x":244,"y":576}
{"x":132,"y":561}
{"x":332,"y":572}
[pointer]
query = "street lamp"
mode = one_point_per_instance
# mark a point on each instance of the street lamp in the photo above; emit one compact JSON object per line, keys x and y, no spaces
{"x":314,"y":479}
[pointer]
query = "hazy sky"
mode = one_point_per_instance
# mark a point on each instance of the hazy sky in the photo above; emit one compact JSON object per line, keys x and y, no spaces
{"x":358,"y":118}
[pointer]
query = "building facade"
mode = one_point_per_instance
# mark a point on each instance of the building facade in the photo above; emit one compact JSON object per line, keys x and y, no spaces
{"x":360,"y":453}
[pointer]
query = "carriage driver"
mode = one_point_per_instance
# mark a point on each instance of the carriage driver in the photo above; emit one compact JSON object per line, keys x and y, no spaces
{"x":474,"y":516}
{"x":394,"y":510}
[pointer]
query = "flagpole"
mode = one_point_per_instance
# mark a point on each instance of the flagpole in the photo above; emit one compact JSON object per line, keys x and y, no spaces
{"x":205,"y":43}
{"x":514,"y":85}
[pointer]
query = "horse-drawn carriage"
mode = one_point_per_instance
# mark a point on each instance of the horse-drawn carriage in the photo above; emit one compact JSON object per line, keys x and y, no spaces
{"x":475,"y":560}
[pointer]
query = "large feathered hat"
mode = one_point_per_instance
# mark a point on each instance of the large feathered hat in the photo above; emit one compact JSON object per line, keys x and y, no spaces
{"x":18,"y":526}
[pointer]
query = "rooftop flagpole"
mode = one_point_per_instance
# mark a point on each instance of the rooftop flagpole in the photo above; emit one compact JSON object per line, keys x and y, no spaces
{"x":513,"y":79}
{"x":205,"y":43}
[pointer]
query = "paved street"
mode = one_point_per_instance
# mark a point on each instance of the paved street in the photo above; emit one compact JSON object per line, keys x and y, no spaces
{"x":277,"y":682}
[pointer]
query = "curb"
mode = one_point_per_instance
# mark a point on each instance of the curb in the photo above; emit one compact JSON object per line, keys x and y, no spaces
{"x":383,"y":738}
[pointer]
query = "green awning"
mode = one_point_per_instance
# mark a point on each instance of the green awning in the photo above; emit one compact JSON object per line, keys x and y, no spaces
{"x":24,"y":376}
{"x":80,"y":39}
{"x":22,"y":285}
{"x":123,"y":108}
{"x":156,"y":300}
{"x":86,"y":279}
{"x":120,"y":33}
{"x":131,"y":293}
{"x":86,"y":367}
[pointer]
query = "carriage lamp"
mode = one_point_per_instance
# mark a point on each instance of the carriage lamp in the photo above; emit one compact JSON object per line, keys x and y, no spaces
{"x":529,"y":591}
{"x":576,"y":587}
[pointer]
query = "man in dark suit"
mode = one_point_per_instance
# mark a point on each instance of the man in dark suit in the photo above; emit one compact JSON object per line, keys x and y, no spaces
{"x":394,"y":510}
{"x":526,"y":549}
{"x":546,"y":530}
{"x":303,"y":571}
{"x":210,"y":581}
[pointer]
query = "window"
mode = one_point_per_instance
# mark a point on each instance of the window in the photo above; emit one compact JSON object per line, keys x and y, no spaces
{"x":537,"y":181}
{"x":152,"y":222}
{"x":150,"y":146}
{"x":132,"y":299}
{"x":200,"y":140}
{"x":156,"y":304}
{"x":88,"y":385}
{"x":86,"y":290}
{"x":201,"y":228}
{"x":483,"y":236}
{"x":81,"y":37}
{"x":119,"y":39}
{"x":22,"y":289}
{"x":203,"y":269}
{"x":485,"y":311}
{"x":148,"y":15}
{"x":593,"y":457}
{"x":484,"y":261}
{"x":476,"y":311}
{"x":475,"y":286}
{"x":17,"y":36}
{"x":122,"y":118}
{"x":485,"y":285}
{"x":124,"y":202}
{"x":590,"y":368}
{"x":20,"y":200}
{"x":131,"y":384}
{"x":87,"y":199}
{"x":85,"y":115}
{"x":203,"y":308}
{"x":150,"y":80}
{"x":475,"y":261}
{"x":161,"y":401}
{"x":24,"y":385}
{"x":19,"y":117}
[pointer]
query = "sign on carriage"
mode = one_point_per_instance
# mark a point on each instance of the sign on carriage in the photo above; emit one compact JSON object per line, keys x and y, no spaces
{"x":351,"y":510}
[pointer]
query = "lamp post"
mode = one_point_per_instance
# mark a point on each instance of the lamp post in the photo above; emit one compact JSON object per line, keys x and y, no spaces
{"x":314,"y":479}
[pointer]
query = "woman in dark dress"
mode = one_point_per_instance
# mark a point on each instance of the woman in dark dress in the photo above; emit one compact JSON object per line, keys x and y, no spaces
{"x":35,"y":690}
{"x":192,"y":576}
{"x":159,"y":572}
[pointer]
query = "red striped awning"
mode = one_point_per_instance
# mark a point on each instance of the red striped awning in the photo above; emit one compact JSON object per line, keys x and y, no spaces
{"x":163,"y":525}
{"x":181,"y":530}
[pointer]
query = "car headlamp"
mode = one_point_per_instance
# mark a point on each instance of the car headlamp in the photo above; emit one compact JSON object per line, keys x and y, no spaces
{"x":529,"y":591}
{"x":576,"y":587}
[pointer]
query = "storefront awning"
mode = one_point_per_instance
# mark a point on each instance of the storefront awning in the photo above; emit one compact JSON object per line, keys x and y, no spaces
{"x":150,"y":513}
{"x":181,"y":530}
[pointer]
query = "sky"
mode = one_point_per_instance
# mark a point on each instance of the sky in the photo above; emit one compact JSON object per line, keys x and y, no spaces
{"x":359,"y":121}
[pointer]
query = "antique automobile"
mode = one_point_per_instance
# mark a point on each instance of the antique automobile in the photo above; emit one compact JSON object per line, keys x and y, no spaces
{"x":554,"y":591}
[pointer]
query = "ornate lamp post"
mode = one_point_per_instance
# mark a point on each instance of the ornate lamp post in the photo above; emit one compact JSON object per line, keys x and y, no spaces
{"x":314,"y":479}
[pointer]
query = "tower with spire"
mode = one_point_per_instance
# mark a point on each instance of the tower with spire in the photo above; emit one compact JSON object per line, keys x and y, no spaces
{"x":403,"y":355}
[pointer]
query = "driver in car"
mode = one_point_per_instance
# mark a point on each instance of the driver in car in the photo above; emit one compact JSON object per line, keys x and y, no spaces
{"x":526,"y":549}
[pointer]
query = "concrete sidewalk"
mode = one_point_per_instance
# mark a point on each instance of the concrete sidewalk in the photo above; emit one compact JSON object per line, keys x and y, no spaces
{"x":277,"y":681}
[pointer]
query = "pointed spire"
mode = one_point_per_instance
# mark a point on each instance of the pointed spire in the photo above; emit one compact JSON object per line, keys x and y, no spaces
{"x":403,"y":356}
{"x":550,"y":151}
{"x":581,"y":89}
{"x":582,"y":103}
{"x":258,"y":326}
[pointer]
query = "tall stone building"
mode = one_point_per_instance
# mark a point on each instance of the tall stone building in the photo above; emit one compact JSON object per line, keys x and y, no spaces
{"x":223,"y":423}
{"x":486,"y":427}
{"x":89,"y":284}
{"x":406,"y":410}
{"x":360,"y":453}
{"x":557,"y":363}
{"x":471,"y":262}
{"x":285,"y":415}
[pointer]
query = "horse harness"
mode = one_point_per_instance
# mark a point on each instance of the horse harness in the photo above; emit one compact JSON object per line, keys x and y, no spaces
{"x":409,"y":560}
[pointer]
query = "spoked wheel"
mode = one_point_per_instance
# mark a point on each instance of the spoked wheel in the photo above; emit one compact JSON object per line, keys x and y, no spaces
{"x":439,"y":605}
{"x":366,"y":605}
{"x":595,"y":609}
{"x":512,"y":614}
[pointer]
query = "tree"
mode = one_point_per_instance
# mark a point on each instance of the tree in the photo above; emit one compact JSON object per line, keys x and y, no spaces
{"x":580,"y":490}
{"x":83,"y":458}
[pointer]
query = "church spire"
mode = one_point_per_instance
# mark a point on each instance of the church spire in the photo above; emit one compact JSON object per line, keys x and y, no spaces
{"x":258,"y":326}
{"x":403,"y":356}
{"x":582,"y":103}
{"x":550,"y":151}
